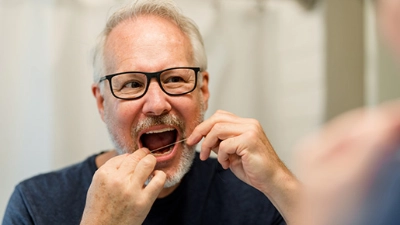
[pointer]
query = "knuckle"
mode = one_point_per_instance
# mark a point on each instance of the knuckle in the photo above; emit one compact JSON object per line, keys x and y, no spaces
{"x":252,"y":134}
{"x":159,"y":180}
{"x":254,"y":123}
{"x":100,"y":174}
{"x":255,"y":126}
{"x":136,"y":156}
{"x":105,"y":180}
{"x":149,"y":161}
{"x":220,"y":114}
{"x":224,"y":144}
{"x":219,"y":127}
{"x":220,"y":111}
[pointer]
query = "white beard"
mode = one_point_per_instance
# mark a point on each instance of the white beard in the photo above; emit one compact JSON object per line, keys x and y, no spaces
{"x":188,"y":153}
{"x":183,"y":167}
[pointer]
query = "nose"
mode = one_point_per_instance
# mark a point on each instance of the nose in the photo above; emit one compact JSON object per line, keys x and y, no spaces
{"x":155,"y":100}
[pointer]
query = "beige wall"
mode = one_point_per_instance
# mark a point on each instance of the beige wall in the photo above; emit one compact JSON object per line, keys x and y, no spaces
{"x":344,"y":78}
{"x":388,"y":75}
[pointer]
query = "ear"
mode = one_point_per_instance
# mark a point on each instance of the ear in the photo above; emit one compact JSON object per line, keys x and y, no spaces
{"x":204,"y":89}
{"x":99,"y":99}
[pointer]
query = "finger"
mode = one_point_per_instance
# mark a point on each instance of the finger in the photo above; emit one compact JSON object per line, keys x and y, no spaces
{"x":332,"y":135}
{"x":204,"y":128}
{"x":230,"y":149}
{"x":156,"y":183}
{"x":143,"y":169}
{"x":223,"y":159}
{"x":347,"y":128}
{"x":211,"y":142}
{"x":130,"y":161}
{"x":109,"y":167}
{"x":221,"y":132}
{"x":205,"y":154}
{"x":343,"y":138}
{"x":114,"y":162}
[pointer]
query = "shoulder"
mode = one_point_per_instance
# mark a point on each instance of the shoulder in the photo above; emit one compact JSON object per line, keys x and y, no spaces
{"x":58,"y":183}
{"x":51,"y":194}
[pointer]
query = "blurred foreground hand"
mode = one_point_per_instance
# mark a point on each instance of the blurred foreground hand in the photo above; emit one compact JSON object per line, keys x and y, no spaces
{"x":338,"y":164}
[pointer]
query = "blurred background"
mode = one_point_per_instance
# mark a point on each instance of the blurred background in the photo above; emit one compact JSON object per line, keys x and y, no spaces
{"x":291,"y":64}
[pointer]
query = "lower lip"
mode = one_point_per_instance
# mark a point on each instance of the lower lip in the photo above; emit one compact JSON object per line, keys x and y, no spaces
{"x":167,"y":157}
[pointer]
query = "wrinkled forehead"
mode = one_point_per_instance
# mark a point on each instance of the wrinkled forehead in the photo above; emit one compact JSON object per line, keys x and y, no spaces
{"x":146,"y":41}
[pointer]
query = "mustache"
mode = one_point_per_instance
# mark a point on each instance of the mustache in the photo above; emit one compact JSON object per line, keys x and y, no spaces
{"x":167,"y":119}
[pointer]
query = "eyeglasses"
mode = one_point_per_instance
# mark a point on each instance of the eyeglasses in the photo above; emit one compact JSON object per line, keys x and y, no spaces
{"x":134,"y":84}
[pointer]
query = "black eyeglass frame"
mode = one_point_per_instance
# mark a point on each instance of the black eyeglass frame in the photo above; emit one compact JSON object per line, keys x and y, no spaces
{"x":149,"y":76}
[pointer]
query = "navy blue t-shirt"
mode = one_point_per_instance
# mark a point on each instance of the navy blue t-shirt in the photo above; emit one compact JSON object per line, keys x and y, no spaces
{"x":207,"y":195}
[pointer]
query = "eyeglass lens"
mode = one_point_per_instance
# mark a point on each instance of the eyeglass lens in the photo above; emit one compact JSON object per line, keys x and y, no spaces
{"x":175,"y":81}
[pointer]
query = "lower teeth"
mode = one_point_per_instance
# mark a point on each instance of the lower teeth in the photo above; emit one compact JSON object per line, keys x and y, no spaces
{"x":163,"y":151}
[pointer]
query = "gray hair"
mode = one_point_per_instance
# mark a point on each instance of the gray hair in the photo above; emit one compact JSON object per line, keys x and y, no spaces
{"x":163,"y":8}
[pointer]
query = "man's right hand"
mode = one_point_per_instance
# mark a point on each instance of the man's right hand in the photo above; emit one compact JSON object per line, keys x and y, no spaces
{"x":117,"y":194}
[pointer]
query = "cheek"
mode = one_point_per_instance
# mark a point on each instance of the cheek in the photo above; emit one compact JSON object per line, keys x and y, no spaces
{"x":193,"y":113}
{"x":120,"y":115}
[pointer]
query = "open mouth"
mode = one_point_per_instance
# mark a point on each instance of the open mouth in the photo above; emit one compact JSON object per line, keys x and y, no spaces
{"x":157,"y":139}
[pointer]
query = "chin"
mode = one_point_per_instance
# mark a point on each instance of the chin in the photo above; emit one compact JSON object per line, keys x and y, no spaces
{"x":186,"y":161}
{"x":184,"y":166}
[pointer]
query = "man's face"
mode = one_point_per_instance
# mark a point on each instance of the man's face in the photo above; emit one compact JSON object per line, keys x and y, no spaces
{"x":150,"y":44}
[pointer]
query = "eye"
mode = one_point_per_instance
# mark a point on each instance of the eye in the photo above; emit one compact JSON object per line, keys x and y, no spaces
{"x":133,"y":84}
{"x":174,"y":79}
{"x":129,"y":82}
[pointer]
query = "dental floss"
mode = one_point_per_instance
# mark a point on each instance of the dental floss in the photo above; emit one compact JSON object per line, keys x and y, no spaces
{"x":151,"y":151}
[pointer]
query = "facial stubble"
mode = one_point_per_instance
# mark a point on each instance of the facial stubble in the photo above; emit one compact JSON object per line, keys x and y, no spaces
{"x":188,"y":152}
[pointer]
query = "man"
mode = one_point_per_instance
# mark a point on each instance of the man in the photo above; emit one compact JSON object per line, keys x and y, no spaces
{"x":351,"y":168}
{"x":151,"y":89}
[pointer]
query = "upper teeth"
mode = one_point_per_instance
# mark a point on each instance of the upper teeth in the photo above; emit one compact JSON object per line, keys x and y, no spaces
{"x":160,"y":131}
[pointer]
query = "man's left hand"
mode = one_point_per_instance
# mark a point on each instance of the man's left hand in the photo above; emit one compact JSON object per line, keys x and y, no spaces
{"x":242,"y":146}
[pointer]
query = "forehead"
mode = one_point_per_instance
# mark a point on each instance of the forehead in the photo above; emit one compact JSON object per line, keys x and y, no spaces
{"x":147,"y":43}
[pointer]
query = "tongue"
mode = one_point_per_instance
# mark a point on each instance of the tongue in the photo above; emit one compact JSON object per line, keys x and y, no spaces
{"x":157,"y":140}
